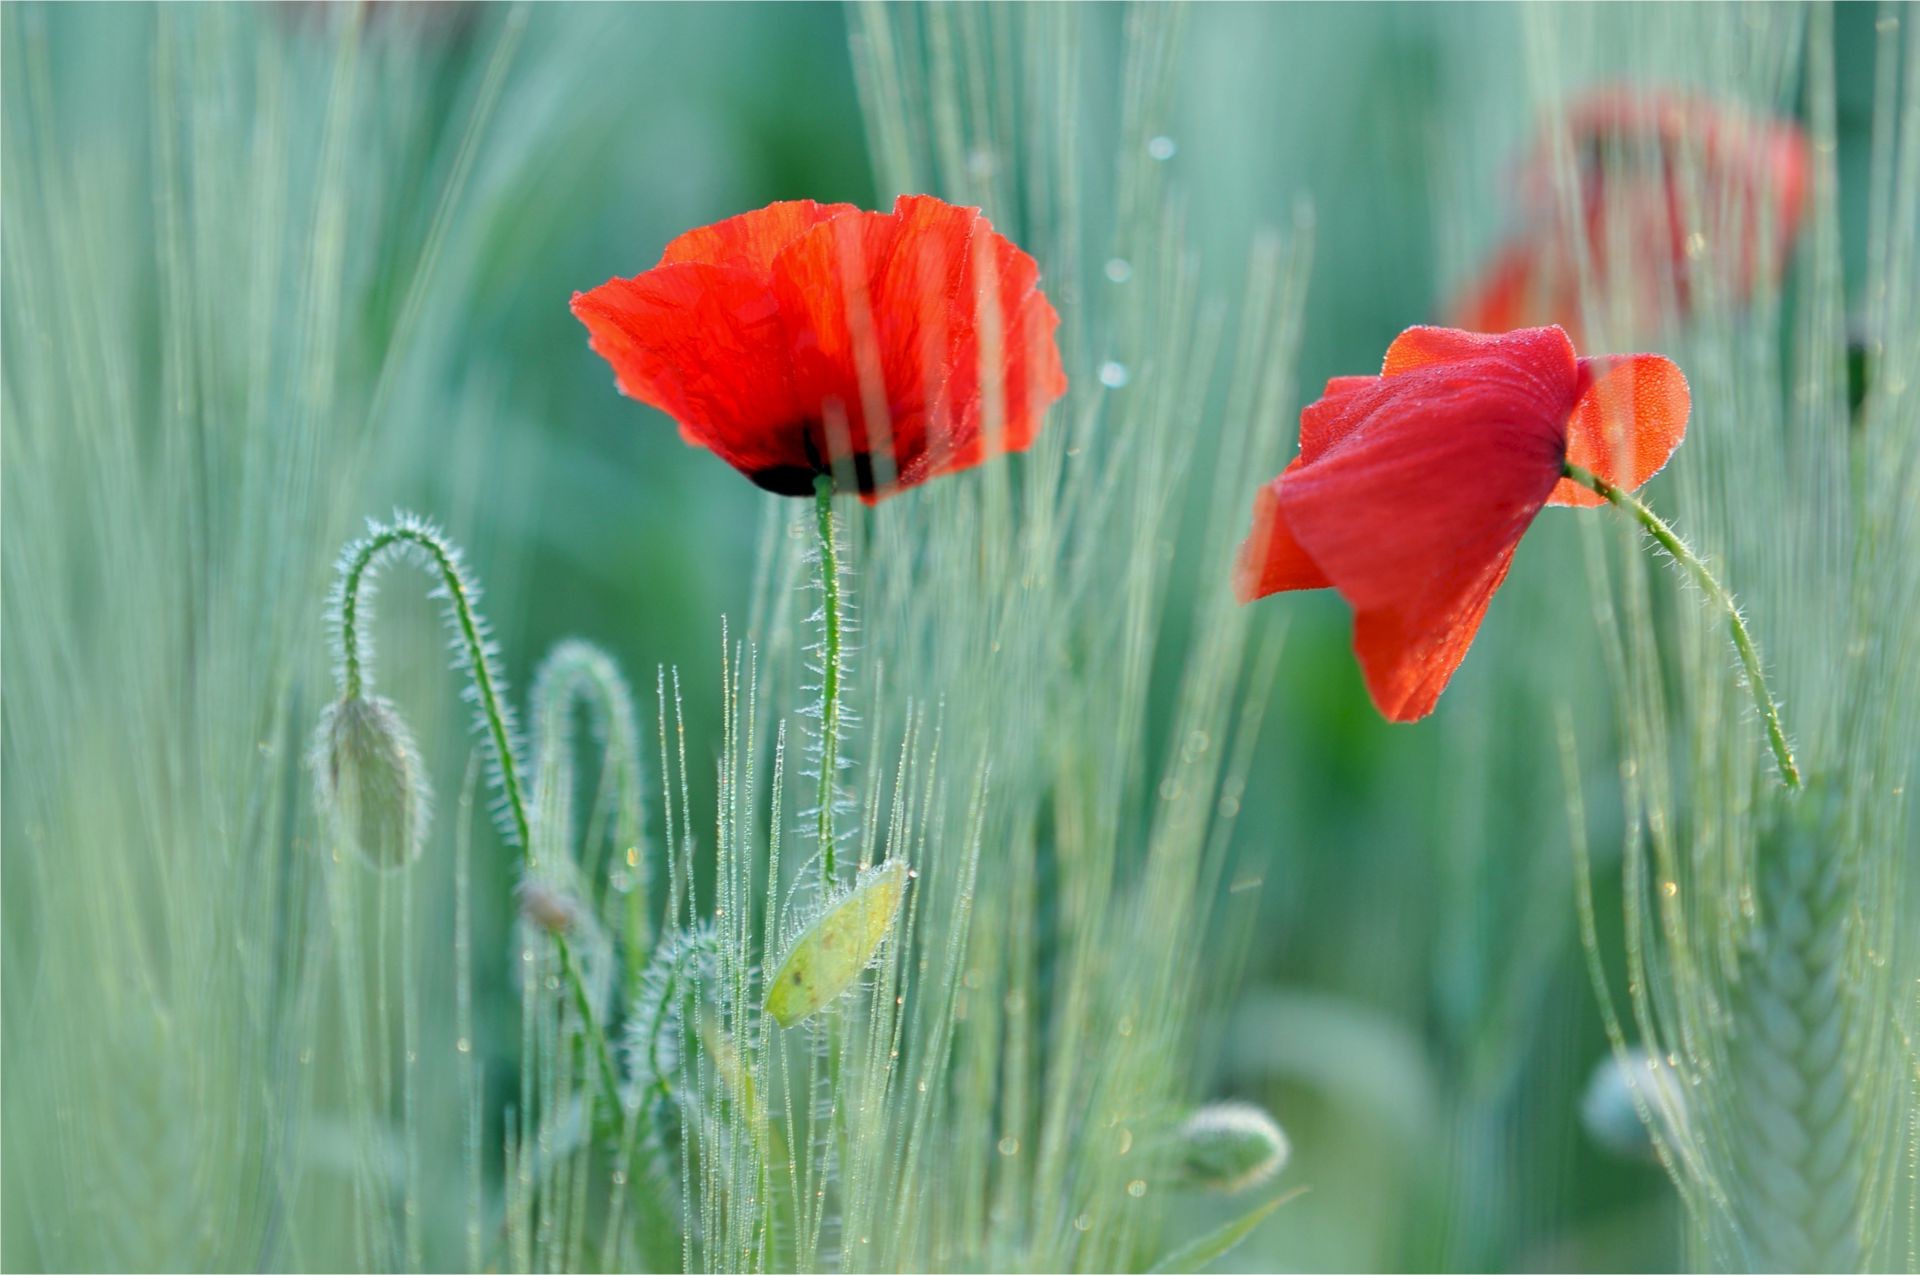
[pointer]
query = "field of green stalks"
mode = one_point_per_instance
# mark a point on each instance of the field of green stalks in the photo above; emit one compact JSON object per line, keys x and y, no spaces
{"x":450,"y":823}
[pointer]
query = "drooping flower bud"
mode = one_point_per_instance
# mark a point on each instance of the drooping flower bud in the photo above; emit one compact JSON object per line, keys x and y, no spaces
{"x":372,"y":786}
{"x":1230,"y":1146}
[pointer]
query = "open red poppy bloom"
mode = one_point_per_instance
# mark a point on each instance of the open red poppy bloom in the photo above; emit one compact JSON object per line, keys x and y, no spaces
{"x":804,"y":339}
{"x":1412,"y":488}
{"x":1678,"y":183}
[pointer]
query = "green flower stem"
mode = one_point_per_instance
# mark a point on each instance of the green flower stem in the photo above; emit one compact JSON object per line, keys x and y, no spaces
{"x":481,"y":670}
{"x":1742,"y":640}
{"x":829,"y":668}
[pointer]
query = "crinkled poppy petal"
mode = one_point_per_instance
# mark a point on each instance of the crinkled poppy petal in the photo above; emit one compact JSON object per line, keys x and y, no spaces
{"x":1270,"y":559}
{"x":705,"y":345}
{"x":895,"y":319}
{"x":1414,"y":515}
{"x":1006,"y":368}
{"x":1631,"y":414}
{"x":751,"y":240}
{"x":870,"y":324}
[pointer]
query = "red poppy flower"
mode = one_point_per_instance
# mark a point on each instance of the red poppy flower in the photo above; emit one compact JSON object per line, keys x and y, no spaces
{"x":806,"y":339}
{"x":1674,"y":180}
{"x":1412,"y":488}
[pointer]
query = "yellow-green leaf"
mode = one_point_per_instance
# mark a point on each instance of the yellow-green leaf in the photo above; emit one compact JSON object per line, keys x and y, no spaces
{"x":830,"y":953}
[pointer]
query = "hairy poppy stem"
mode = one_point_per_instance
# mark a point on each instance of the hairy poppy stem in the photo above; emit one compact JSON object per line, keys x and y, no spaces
{"x":829,"y":667}
{"x":1742,"y":640}
{"x":444,"y":563}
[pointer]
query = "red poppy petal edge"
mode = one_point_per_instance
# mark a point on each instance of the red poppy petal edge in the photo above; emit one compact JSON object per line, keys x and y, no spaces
{"x":750,"y":240}
{"x":1406,"y":666}
{"x":705,"y":345}
{"x":1271,"y":560}
{"x":1631,"y":414}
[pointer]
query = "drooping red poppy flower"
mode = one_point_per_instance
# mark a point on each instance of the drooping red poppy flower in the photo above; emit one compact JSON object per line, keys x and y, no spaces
{"x":804,"y":339}
{"x":1412,"y":488}
{"x":1676,"y":182}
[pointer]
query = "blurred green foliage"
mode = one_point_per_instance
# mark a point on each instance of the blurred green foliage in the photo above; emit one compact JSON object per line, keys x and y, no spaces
{"x":1416,"y":1011}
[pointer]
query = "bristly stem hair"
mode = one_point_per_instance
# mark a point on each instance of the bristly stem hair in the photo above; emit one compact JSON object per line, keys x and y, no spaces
{"x":1677,"y":549}
{"x":443,"y":560}
{"x":829,"y":668}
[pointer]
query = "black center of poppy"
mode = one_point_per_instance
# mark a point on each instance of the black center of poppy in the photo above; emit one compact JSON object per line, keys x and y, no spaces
{"x":797,"y":480}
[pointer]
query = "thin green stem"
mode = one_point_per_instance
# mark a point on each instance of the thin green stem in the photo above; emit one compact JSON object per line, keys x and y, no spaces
{"x":1737,"y":626}
{"x":480,"y":668}
{"x":829,"y":669}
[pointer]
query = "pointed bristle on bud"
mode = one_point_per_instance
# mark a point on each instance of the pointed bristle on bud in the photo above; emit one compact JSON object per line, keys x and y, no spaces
{"x":1230,"y":1146}
{"x":370,"y":780}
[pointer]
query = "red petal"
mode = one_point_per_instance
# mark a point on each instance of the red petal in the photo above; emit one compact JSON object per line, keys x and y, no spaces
{"x":751,"y":240}
{"x":1631,"y":414}
{"x":894,"y":318}
{"x":705,"y":345}
{"x":1271,"y":560}
{"x":1542,"y":354}
{"x":1415,"y":512}
{"x":1329,"y":418}
{"x":1408,"y":657}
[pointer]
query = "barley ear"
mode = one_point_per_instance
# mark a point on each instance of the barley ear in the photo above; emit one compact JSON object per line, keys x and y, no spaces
{"x":1799,"y":1137}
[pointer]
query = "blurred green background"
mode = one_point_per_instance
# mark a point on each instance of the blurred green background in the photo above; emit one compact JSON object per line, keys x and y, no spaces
{"x":1416,"y":1010}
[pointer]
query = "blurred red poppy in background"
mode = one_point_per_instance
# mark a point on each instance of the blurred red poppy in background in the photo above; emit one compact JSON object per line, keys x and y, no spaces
{"x":1412,"y":488}
{"x":810,"y":339}
{"x":1683,"y":185}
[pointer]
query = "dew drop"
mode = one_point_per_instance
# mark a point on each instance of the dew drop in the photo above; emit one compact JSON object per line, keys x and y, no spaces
{"x":1009,"y":1145}
{"x":1137,"y":1188}
{"x":1114,"y":374}
{"x":1083,"y":1223}
{"x":1119,"y":270}
{"x":464,"y":1045}
{"x":1162,"y":148}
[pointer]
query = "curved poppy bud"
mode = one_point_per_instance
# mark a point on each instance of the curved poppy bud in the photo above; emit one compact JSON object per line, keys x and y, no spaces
{"x":371,"y":784}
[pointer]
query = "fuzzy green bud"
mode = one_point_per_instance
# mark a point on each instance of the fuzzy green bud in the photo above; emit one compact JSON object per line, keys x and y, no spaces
{"x":371,"y":783}
{"x":831,"y":953}
{"x":1230,"y":1146}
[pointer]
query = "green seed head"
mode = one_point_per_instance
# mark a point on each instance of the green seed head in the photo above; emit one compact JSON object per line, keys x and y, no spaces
{"x":830,"y":954}
{"x":371,"y":784}
{"x":1230,"y":1146}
